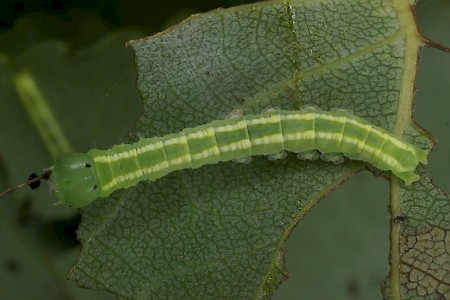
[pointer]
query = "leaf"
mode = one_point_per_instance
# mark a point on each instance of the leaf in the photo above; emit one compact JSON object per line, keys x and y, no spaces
{"x":219,"y":231}
{"x":38,"y":242}
{"x":423,"y":258}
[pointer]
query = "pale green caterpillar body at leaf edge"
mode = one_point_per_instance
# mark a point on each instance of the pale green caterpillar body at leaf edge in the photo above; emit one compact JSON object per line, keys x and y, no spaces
{"x":78,"y":179}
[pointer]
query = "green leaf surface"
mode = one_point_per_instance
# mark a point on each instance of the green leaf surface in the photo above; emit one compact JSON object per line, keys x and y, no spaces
{"x":219,"y":231}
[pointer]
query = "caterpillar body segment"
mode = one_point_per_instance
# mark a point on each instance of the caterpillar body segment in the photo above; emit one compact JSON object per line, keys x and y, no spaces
{"x":269,"y":133}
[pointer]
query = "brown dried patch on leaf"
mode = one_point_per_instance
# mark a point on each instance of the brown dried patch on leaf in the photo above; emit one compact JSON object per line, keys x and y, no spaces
{"x":425,"y":264}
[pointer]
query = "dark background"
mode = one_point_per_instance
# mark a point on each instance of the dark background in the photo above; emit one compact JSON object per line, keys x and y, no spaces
{"x":117,"y":12}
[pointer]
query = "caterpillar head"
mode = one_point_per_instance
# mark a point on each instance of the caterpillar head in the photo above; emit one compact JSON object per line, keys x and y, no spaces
{"x":74,"y":180}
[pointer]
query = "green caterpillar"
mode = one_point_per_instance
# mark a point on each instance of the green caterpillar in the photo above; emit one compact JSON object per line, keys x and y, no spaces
{"x":78,"y":179}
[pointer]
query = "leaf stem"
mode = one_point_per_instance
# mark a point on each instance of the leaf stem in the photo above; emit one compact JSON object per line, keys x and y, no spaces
{"x":33,"y":182}
{"x":394,"y":240}
{"x":41,"y":115}
{"x":436,"y":45}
